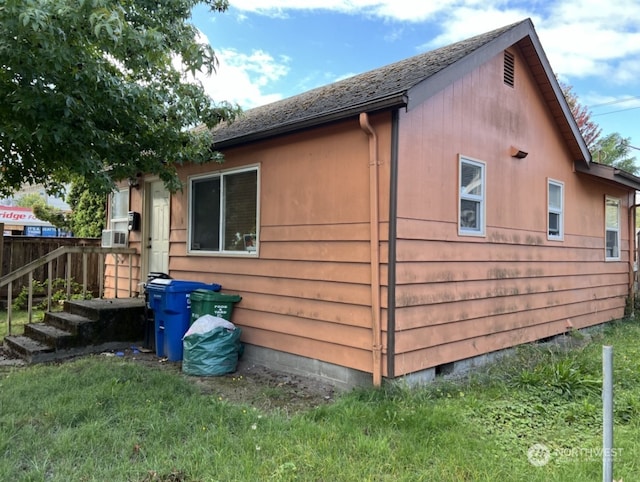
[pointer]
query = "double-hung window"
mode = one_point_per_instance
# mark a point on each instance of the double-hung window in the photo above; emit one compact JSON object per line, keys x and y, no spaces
{"x":223,"y":212}
{"x":472,"y":197}
{"x":555,"y":204}
{"x":119,"y":208}
{"x":612,"y":228}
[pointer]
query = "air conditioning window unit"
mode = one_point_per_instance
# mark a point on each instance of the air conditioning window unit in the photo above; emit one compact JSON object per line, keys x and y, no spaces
{"x":114,"y":239}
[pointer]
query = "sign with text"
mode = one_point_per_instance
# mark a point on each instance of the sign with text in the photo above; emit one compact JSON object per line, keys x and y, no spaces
{"x":11,"y":215}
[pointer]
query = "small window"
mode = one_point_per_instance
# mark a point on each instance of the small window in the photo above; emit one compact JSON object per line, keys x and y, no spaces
{"x":555,"y":204}
{"x":119,"y":208}
{"x":223,"y":212}
{"x":472,"y":197}
{"x":612,"y":228}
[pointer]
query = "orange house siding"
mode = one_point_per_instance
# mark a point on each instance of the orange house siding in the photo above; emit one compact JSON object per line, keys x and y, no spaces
{"x":308,"y":292}
{"x":463,"y":296}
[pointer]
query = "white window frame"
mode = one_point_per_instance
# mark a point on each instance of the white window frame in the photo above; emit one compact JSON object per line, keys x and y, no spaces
{"x":555,"y":210}
{"x":615,"y":229}
{"x":220,"y":175}
{"x":119,"y":223}
{"x":464,"y":196}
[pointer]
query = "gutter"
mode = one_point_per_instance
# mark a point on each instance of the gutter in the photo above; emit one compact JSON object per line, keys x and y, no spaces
{"x":626,"y":175}
{"x":374,"y":223}
{"x":392,"y":101}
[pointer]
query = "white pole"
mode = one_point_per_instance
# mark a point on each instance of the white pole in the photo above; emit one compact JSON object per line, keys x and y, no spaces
{"x":607,"y":414}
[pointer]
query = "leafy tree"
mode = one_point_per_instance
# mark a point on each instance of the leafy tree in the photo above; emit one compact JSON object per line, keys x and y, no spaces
{"x":52,"y":215}
{"x":614,"y":150}
{"x":88,"y":211}
{"x":29,"y":200}
{"x":588,"y":128}
{"x":87,"y":216}
{"x":43,"y":211}
{"x":88,"y":88}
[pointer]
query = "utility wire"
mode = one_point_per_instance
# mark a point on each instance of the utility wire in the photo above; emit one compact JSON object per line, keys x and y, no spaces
{"x":619,"y":101}
{"x":614,"y":111}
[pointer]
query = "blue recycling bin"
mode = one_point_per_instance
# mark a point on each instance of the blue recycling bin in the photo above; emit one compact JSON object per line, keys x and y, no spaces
{"x":169,"y":300}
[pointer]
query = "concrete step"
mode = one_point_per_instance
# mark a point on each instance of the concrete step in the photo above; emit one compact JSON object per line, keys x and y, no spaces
{"x":50,"y":335}
{"x":10,"y":359}
{"x":70,"y":322}
{"x":84,"y":327}
{"x":32,"y":351}
{"x":28,"y":349}
{"x":105,"y":309}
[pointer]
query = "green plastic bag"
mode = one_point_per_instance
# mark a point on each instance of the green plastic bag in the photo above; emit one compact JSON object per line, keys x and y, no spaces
{"x":213,"y":353}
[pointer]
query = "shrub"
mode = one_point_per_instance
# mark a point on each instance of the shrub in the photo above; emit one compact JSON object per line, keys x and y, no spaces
{"x":58,"y":293}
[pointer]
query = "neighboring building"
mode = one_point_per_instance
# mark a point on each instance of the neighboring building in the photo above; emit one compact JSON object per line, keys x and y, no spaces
{"x":22,"y":221}
{"x":391,"y":224}
{"x":53,"y":201}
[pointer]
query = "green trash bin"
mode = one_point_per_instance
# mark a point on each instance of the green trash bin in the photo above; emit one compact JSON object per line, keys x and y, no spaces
{"x":206,"y":302}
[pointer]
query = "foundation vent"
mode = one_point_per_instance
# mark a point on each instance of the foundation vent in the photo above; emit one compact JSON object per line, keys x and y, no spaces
{"x":509,"y":69}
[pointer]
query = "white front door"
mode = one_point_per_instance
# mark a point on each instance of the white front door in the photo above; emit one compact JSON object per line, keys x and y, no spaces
{"x":158,"y":228}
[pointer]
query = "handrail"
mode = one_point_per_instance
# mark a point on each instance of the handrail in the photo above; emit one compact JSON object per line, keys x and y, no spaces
{"x":29,"y":268}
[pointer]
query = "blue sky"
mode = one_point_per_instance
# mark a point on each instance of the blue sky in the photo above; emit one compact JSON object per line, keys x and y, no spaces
{"x":272,"y":49}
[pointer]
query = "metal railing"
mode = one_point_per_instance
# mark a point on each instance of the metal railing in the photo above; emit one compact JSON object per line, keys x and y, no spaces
{"x":68,"y":251}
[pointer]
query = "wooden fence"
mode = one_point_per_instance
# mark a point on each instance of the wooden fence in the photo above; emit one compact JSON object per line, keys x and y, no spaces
{"x":17,"y":251}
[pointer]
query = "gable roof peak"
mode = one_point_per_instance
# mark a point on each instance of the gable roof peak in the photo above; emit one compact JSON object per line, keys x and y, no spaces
{"x":382,"y":87}
{"x":404,"y":83}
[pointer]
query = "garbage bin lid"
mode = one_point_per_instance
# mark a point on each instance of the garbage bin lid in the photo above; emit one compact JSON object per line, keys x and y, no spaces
{"x":160,"y":282}
{"x":157,"y":274}
{"x":208,"y":295}
{"x":180,"y":286}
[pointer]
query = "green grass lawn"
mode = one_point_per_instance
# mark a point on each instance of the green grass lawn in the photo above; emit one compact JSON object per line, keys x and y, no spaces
{"x":108,"y":419}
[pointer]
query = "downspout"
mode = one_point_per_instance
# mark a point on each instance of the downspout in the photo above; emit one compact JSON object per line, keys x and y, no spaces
{"x":374,"y":223}
{"x":392,"y":256}
{"x":632,"y":252}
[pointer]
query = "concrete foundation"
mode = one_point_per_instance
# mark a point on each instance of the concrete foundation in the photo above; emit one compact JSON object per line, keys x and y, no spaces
{"x":451,"y":370}
{"x":423,"y":377}
{"x":347,"y":378}
{"x":340,"y":377}
{"x":461,"y":368}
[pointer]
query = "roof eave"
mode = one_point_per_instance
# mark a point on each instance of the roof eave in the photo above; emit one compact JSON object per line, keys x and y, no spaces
{"x":394,"y":101}
{"x":579,"y":148}
{"x":610,"y":174}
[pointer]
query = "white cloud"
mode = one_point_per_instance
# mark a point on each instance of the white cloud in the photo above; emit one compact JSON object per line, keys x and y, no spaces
{"x":628,"y":72}
{"x":243,"y":78}
{"x":612,"y":13}
{"x":403,"y":10}
{"x":465,"y":22}
{"x":595,"y":50}
{"x":409,"y":10}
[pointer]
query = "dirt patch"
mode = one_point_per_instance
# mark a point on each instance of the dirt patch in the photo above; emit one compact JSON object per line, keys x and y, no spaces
{"x":251,"y":384}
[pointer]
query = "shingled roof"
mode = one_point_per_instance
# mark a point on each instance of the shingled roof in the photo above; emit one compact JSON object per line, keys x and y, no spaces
{"x":402,"y":84}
